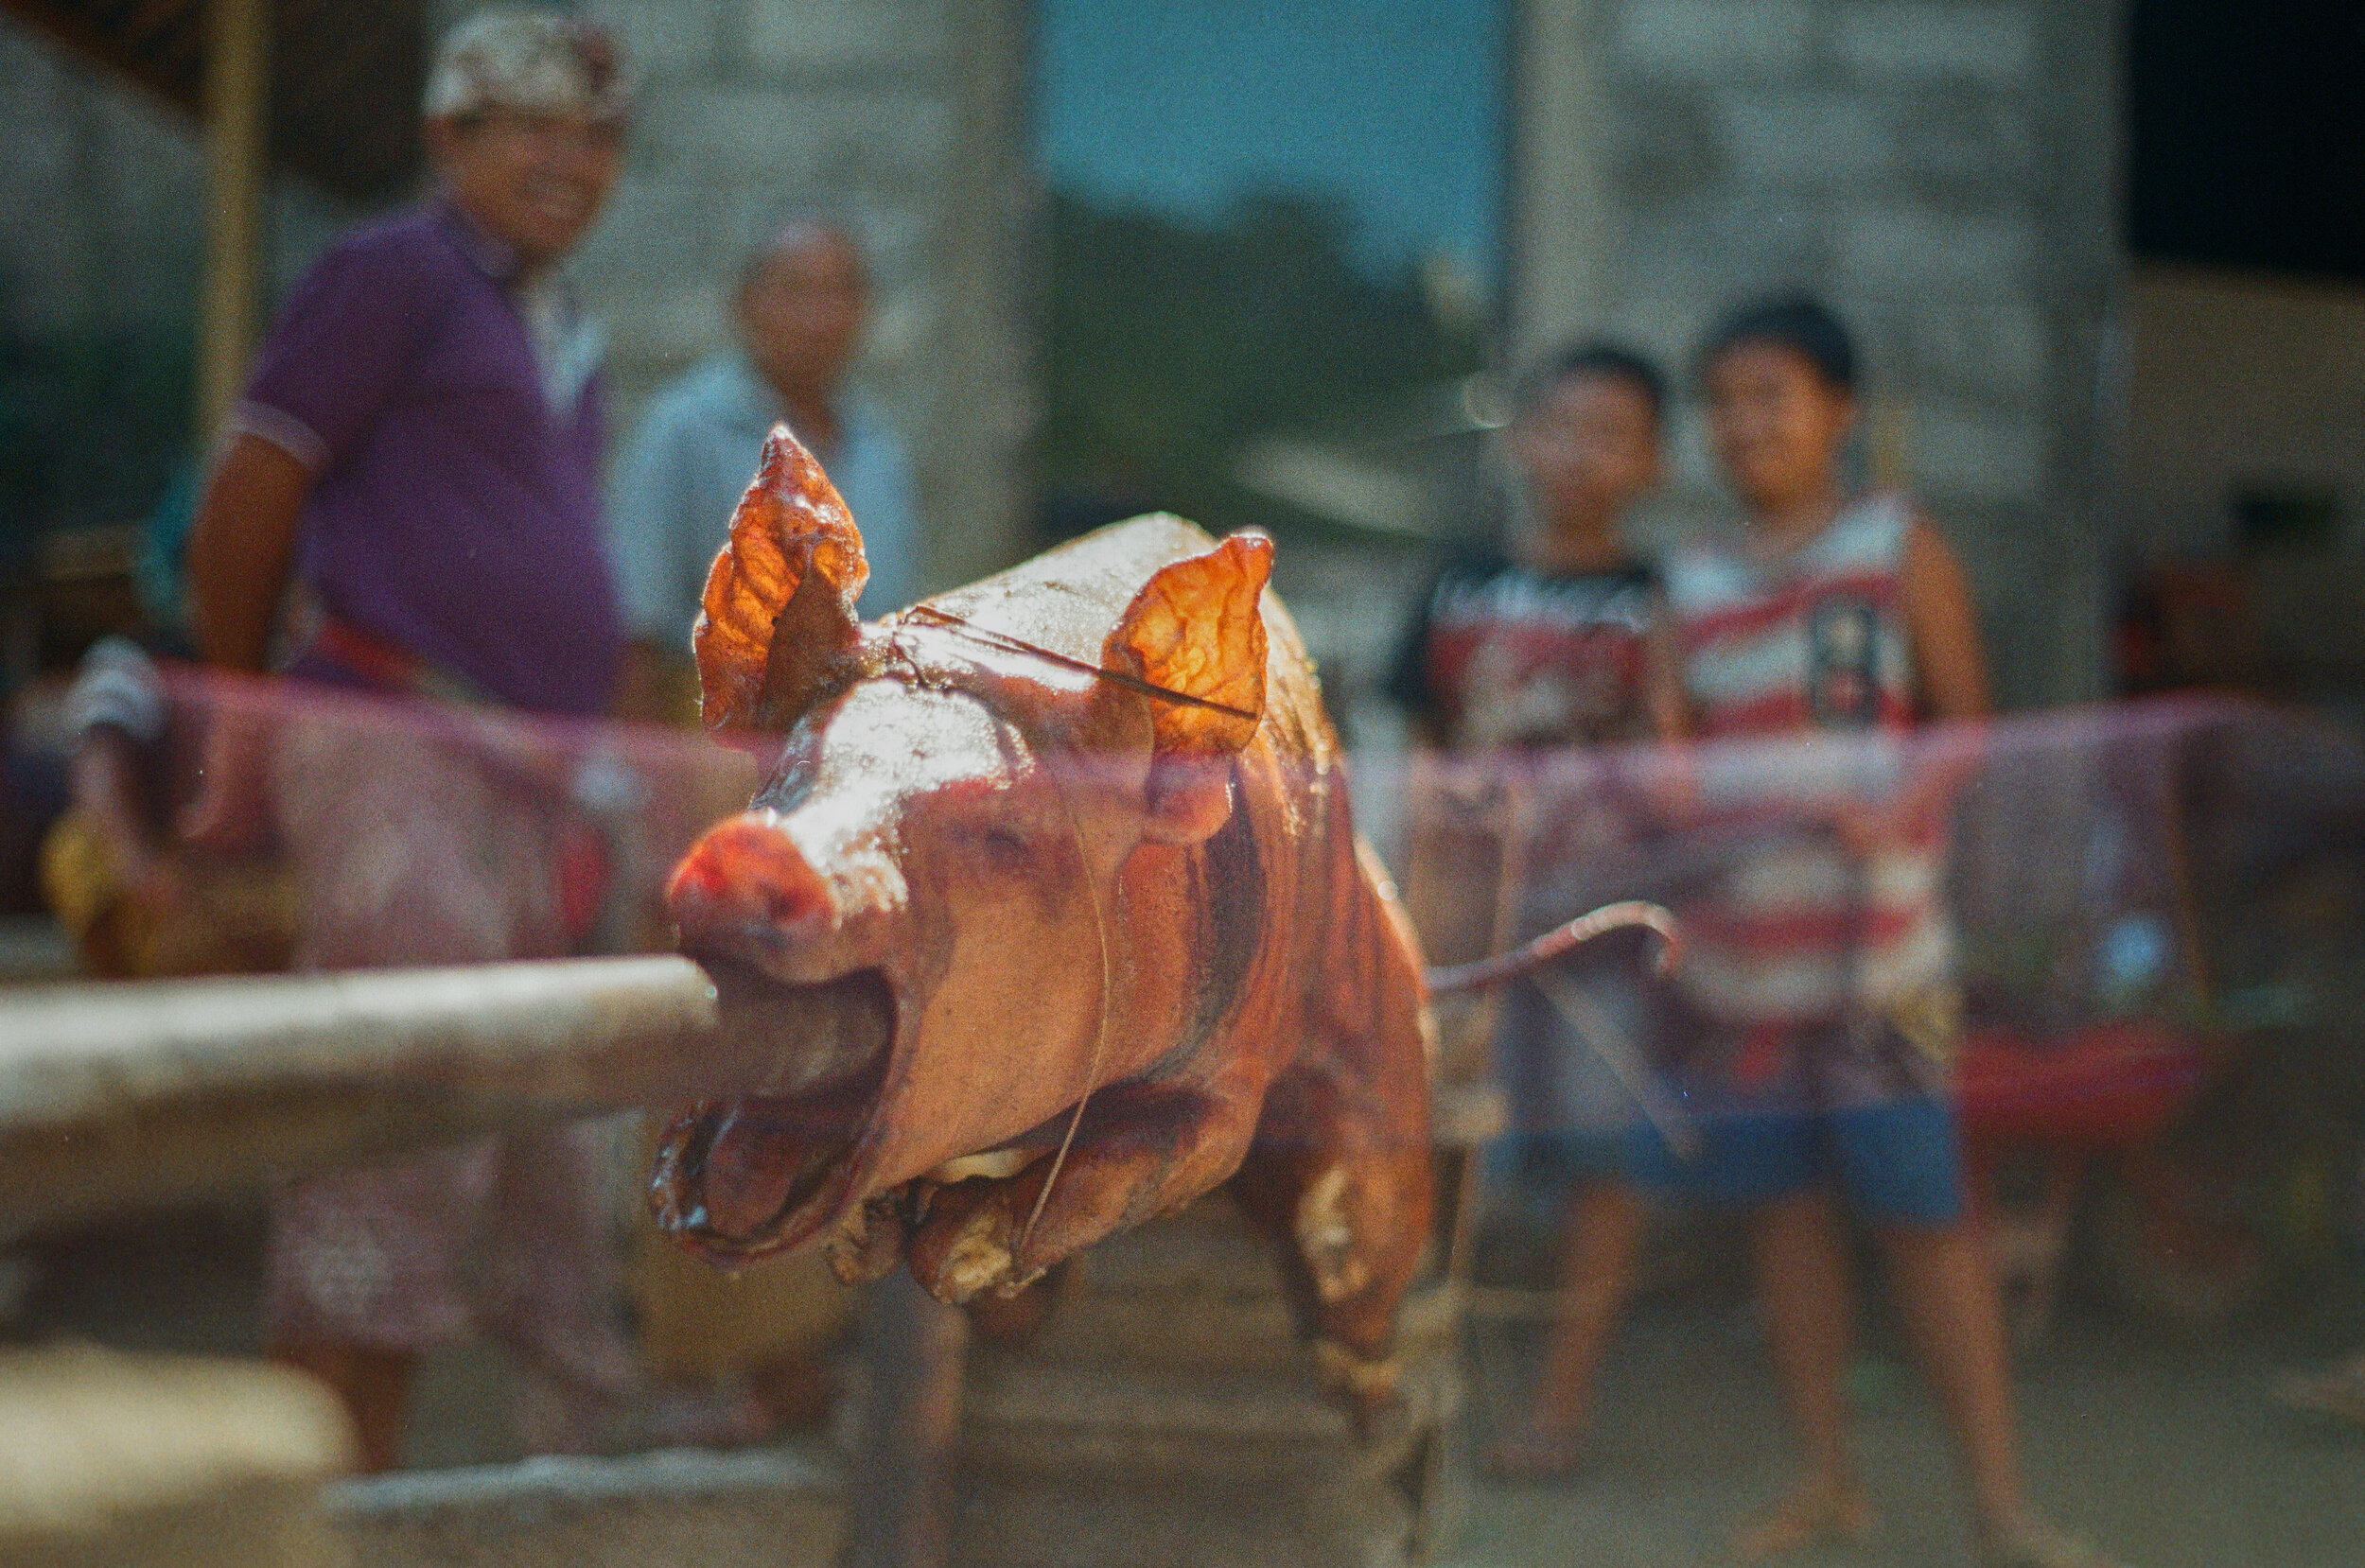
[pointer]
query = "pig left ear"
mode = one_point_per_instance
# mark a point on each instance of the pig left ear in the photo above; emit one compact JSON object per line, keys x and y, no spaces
{"x":780,"y":600}
{"x":1196,"y":630}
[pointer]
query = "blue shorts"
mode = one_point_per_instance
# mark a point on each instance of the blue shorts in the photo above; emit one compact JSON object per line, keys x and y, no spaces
{"x":1557,"y":1158}
{"x":1896,"y":1160}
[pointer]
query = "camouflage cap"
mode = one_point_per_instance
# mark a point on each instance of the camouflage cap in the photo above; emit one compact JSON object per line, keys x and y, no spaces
{"x":538,"y":61}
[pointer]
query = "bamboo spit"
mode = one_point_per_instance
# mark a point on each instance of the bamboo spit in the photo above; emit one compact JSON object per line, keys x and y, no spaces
{"x":127,"y":1095}
{"x":135,"y":1095}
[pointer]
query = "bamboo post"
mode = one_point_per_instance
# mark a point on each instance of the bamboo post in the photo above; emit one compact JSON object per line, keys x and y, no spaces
{"x":1888,"y":440}
{"x":237,"y":103}
{"x":128,"y":1095}
{"x":900,"y":1502}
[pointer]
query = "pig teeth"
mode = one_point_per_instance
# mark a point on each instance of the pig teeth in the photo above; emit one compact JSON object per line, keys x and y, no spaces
{"x":1325,"y":1237}
{"x":869,"y":1243}
{"x":976,"y":1259}
{"x":994,"y":1164}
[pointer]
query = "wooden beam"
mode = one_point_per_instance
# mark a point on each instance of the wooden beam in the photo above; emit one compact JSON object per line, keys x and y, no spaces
{"x":131,"y":1095}
{"x":150,"y":21}
{"x":237,"y":106}
{"x":69,"y":28}
{"x":139,"y":1094}
{"x":346,"y":94}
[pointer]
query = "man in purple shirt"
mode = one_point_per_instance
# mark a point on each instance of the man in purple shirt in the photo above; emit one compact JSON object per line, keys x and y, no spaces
{"x":420,"y":445}
{"x":443,"y":397}
{"x":419,"y":452}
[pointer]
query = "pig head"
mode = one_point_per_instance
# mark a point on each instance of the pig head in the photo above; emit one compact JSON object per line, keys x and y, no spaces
{"x":1064,"y":862}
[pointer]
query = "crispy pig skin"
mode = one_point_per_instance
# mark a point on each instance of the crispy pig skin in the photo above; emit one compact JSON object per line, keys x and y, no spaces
{"x":1132,"y":949}
{"x":791,"y":522}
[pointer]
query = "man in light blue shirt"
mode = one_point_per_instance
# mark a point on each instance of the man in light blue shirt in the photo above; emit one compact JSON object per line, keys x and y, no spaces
{"x":803,"y":301}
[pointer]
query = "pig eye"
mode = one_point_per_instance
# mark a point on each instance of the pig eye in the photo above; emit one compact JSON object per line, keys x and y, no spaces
{"x":1003,"y":849}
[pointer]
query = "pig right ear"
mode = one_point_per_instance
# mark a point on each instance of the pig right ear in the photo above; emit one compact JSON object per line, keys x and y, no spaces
{"x":1196,"y":629}
{"x":778,"y":609}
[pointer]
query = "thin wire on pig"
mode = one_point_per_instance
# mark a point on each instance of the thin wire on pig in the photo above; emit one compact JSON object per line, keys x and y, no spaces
{"x":1100,"y":1038}
{"x":1478,"y":975}
{"x":1008,"y":644}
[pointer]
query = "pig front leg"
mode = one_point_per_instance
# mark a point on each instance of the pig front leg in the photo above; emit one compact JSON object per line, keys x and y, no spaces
{"x":1140,"y":1151}
{"x":1339,"y":1177}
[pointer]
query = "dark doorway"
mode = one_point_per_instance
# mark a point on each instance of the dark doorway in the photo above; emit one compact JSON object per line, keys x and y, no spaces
{"x":2247,"y":134}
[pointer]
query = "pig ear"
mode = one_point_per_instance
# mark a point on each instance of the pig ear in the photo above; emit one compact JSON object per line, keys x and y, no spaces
{"x":780,"y":600}
{"x":1195,"y":629}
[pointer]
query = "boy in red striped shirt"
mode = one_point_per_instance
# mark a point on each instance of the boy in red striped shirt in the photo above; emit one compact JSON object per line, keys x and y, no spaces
{"x":1820,"y":962}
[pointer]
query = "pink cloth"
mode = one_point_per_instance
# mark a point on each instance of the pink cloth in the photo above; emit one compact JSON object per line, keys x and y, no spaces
{"x":419,"y":848}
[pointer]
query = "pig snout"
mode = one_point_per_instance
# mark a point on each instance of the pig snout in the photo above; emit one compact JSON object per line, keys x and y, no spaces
{"x":746,"y":877}
{"x":758,"y":887}
{"x":801,"y":1003}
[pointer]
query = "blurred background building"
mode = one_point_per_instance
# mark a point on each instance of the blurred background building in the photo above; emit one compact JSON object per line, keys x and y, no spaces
{"x":1266,"y":263}
{"x":1944,"y":174}
{"x":1272,"y":263}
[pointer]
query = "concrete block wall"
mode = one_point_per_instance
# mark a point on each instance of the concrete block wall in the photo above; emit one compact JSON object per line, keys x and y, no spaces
{"x":902,"y":117}
{"x":102,"y":200}
{"x":1941,"y":170}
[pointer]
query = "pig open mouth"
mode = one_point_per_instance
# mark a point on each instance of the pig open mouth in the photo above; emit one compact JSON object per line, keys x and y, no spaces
{"x":742,"y":1177}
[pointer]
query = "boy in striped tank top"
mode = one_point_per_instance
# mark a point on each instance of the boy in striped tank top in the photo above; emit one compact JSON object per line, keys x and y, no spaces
{"x":1819,"y":963}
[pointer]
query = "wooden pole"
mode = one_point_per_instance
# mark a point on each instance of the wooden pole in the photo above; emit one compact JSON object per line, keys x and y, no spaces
{"x":131,"y":1095}
{"x":899,"y":1502}
{"x":237,"y":103}
{"x":1888,"y":436}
